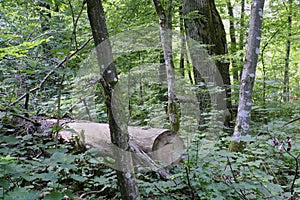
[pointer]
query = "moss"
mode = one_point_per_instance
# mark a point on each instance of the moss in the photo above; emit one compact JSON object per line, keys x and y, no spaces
{"x":237,"y":146}
{"x":173,"y":109}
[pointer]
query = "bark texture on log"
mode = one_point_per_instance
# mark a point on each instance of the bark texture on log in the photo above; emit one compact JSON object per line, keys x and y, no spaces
{"x":162,"y":145}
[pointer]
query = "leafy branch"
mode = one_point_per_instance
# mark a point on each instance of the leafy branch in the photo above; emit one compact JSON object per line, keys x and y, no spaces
{"x":52,"y":71}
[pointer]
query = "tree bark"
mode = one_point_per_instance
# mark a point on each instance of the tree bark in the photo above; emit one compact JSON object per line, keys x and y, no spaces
{"x":248,"y":76}
{"x":233,"y":43}
{"x":45,"y":17}
{"x":183,"y":47}
{"x":207,"y":28}
{"x":165,"y":23}
{"x":118,"y":128}
{"x":241,"y":34}
{"x":286,"y":79}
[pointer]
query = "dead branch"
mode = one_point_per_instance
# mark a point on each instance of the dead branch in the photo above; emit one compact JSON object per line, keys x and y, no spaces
{"x":291,"y":121}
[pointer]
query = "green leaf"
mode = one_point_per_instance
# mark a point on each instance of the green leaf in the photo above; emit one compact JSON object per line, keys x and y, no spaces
{"x":21,"y":193}
{"x":27,"y":71}
{"x":59,"y":157}
{"x":10,"y":80}
{"x":10,"y":139}
{"x":254,"y":163}
{"x":57,"y":128}
{"x":55,"y":150}
{"x":32,"y":63}
{"x":54,"y":196}
{"x":78,"y":178}
{"x":100,"y":179}
{"x":247,"y":138}
{"x":7,"y":159}
{"x":4,"y":183}
{"x":48,"y":177}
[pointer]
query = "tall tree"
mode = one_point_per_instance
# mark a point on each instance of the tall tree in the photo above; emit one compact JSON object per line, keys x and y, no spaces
{"x":204,"y":25}
{"x":248,"y":76}
{"x":118,"y":129}
{"x":165,"y":23}
{"x":233,"y":42}
{"x":242,"y":31}
{"x":286,"y":80}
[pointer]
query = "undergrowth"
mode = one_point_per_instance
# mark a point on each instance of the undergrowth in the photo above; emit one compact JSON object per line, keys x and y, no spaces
{"x":34,"y":166}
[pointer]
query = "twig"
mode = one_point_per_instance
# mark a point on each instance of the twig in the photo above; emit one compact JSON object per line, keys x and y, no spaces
{"x":75,"y":22}
{"x":232,"y":172}
{"x":189,"y":183}
{"x":87,"y":110}
{"x":59,"y":94}
{"x":296,"y":170}
{"x":93,"y":192}
{"x":291,"y":121}
{"x":27,"y":119}
{"x":296,"y":174}
{"x":59,"y":108}
{"x":51,"y":72}
{"x":46,"y":34}
{"x":240,"y":192}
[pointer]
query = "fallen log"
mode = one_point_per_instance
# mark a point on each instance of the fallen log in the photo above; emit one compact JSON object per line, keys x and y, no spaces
{"x":150,"y":147}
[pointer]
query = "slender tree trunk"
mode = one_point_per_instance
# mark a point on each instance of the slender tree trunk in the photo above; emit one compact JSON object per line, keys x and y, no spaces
{"x":286,"y":80}
{"x":118,"y":128}
{"x":233,"y":46}
{"x":165,"y":22}
{"x":241,"y":34}
{"x":248,"y":76}
{"x":183,"y":45}
{"x":45,"y":16}
{"x":264,"y":72}
{"x":162,"y":69}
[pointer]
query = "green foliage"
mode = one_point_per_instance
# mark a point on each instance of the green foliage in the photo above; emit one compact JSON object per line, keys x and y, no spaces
{"x":33,"y":166}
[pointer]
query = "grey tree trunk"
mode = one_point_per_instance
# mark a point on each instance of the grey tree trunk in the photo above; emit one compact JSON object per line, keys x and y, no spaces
{"x":165,"y":23}
{"x":117,"y":125}
{"x":248,"y":76}
{"x":204,"y":25}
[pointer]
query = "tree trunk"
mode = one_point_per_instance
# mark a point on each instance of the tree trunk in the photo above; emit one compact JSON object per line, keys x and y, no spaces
{"x":286,"y":80}
{"x":233,"y":43}
{"x":118,"y":128}
{"x":248,"y":76}
{"x":45,"y":16}
{"x":206,"y":27}
{"x":165,"y":22}
{"x":182,"y":45}
{"x":242,"y":32}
